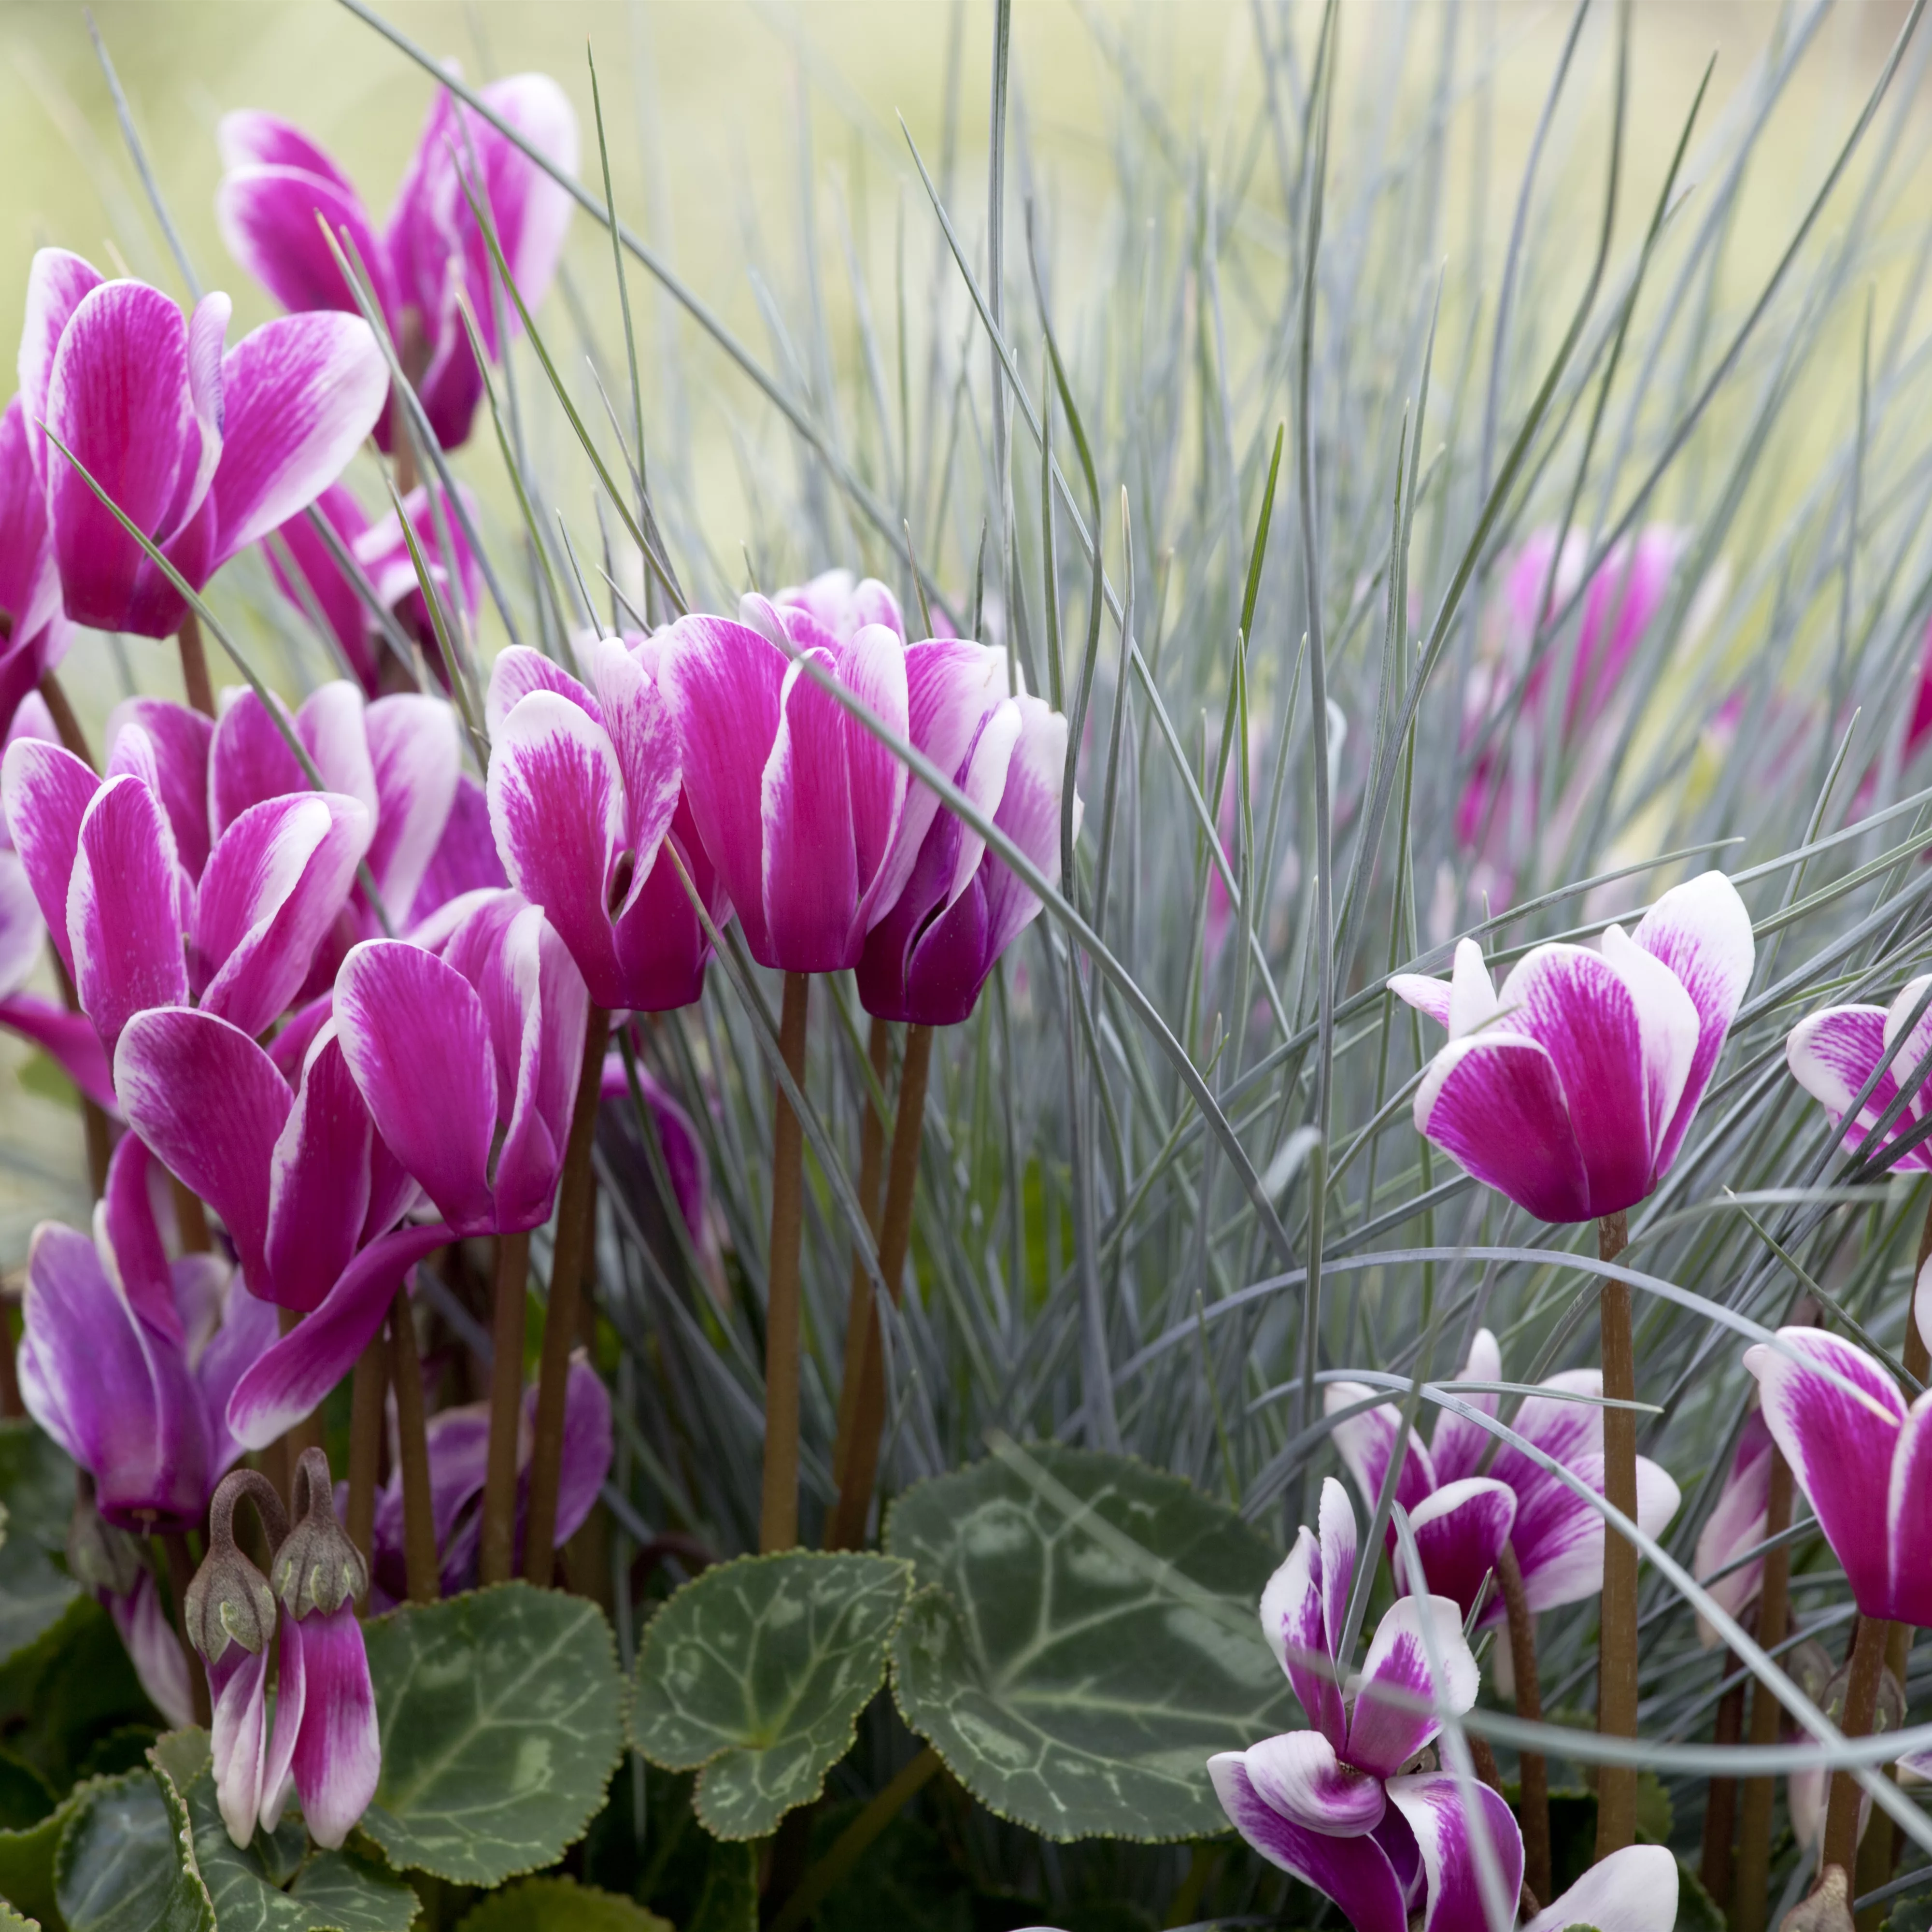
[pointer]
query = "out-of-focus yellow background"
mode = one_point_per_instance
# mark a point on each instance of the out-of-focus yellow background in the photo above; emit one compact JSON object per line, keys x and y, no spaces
{"x":728,"y":120}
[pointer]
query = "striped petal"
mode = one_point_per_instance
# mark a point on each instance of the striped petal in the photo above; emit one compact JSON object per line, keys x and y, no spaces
{"x":1297,"y":1632}
{"x":1299,"y":1776}
{"x":416,"y":753}
{"x":1494,"y":1102}
{"x":1436,"y":1807}
{"x":46,"y":792}
{"x":1400,"y":1705}
{"x":1460,"y":1532}
{"x":123,"y":910}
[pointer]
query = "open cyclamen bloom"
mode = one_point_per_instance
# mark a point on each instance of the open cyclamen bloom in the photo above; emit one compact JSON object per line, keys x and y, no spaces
{"x":1833,"y":1053}
{"x":1462,"y":1519}
{"x":1571,"y":1091}
{"x":34,"y":632}
{"x":431,"y":250}
{"x":1863,"y":1458}
{"x":1735,"y":1525}
{"x":797,"y":803}
{"x":458,"y":1441}
{"x":127,"y":1359}
{"x":136,"y":922}
{"x":204,"y":452}
{"x":837,"y":605}
{"x":585,"y":790}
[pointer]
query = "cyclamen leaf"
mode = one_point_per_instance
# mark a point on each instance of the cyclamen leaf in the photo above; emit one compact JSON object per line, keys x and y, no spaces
{"x":757,"y":1671}
{"x":36,"y":1493}
{"x":27,"y":1860}
{"x":560,"y":1905}
{"x":1076,"y":1674}
{"x":502,"y":1722}
{"x":126,"y":1862}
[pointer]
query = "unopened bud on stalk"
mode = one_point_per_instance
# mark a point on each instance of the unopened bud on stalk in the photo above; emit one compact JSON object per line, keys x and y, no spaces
{"x":317,"y":1568}
{"x":99,"y":1556}
{"x":230,"y":1600}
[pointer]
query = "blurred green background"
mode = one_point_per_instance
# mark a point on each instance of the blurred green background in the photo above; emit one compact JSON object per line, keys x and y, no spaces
{"x":736,"y":129}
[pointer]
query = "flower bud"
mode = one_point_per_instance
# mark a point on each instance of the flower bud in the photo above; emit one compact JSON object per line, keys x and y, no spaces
{"x":99,"y":1556}
{"x":317,"y":1568}
{"x":230,"y":1600}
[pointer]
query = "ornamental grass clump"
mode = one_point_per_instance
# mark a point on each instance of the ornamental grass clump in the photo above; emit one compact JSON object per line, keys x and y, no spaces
{"x":854,"y":1030}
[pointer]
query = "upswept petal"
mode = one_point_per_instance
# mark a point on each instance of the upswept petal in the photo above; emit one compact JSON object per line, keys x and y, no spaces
{"x":46,"y":792}
{"x":131,"y":1251}
{"x":1494,"y":1102}
{"x":210,"y":1104}
{"x":57,"y":282}
{"x":249,"y":136}
{"x":531,"y":211}
{"x":722,"y":681}
{"x":179,"y":741}
{"x":1736,"y":1524}
{"x":22,"y":930}
{"x":1459,"y":1445}
{"x":1460,"y":1532}
{"x":1908,"y":1517}
{"x":1835,"y":1415}
{"x":1702,"y":931}
{"x":951,"y":684}
{"x":645,"y":738}
{"x":1434,"y":1806}
{"x":319,"y":1179}
{"x":250,"y":758}
{"x":324,"y":580}
{"x":557,"y":809}
{"x":1574,"y":1004}
{"x":1355,"y":1873}
{"x":153,"y":1650}
{"x":465,"y":860}
{"x":1293,"y":1624}
{"x":288,"y":1381}
{"x":1427,"y":996}
{"x":1029,"y":814}
{"x":1299,"y":1776}
{"x":811,"y":884}
{"x":415,"y":1035}
{"x":275,"y":881}
{"x":123,"y":910}
{"x":249,"y":1329}
{"x":1396,"y":1710}
{"x":1365,"y":1443}
{"x":1473,"y":1000}
{"x":873,"y":668}
{"x":519,"y":670}
{"x":332,"y":727}
{"x":661,"y":946}
{"x":303,"y":390}
{"x":415,"y":751}
{"x":1634,"y":1890}
{"x":1666,"y":1025}
{"x":271,"y":216}
{"x":1831,"y":1055}
{"x":1335,"y":1525}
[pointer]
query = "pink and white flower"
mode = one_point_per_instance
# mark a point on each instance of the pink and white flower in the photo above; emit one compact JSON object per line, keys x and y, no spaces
{"x":1833,"y":1052}
{"x":1571,"y":1091}
{"x":1736,"y":1524}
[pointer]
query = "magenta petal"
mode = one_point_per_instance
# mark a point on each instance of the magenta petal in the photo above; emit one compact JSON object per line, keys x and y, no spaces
{"x":153,"y":1650}
{"x":271,"y":216}
{"x":1296,"y":1630}
{"x":337,"y":1753}
{"x":179,"y":739}
{"x":1701,"y":931}
{"x":209,"y":1103}
{"x":1736,"y":1524}
{"x":123,"y":910}
{"x":334,"y":595}
{"x":1299,"y":1776}
{"x":275,"y":881}
{"x":1355,"y":1873}
{"x":1029,"y":814}
{"x":644,"y":738}
{"x":557,"y":808}
{"x":416,"y":1039}
{"x":873,"y":668}
{"x":292,"y":1377}
{"x":1399,"y":1705}
{"x":303,"y":391}
{"x":811,"y":883}
{"x":126,"y":1217}
{"x":950,"y":686}
{"x":587,"y":1444}
{"x":47,"y":791}
{"x":250,"y":138}
{"x":1837,"y":1438}
{"x":1574,"y":1005}
{"x":1831,"y":1055}
{"x":1426,"y":995}
{"x":1434,"y":1805}
{"x":1460,"y":1532}
{"x":319,"y":1184}
{"x":249,"y":1329}
{"x":57,"y":283}
{"x":1909,"y":1518}
{"x":662,"y":946}
{"x":1492,"y":1100}
{"x":118,"y":399}
{"x":332,"y":727}
{"x":465,"y":859}
{"x":69,"y":1039}
{"x":1365,"y":1443}
{"x":239,"y":1681}
{"x":722,"y":681}
{"x":1459,"y":1445}
{"x":1335,"y":1526}
{"x":519,"y":670}
{"x":416,"y":748}
{"x":531,"y":211}
{"x":249,"y":761}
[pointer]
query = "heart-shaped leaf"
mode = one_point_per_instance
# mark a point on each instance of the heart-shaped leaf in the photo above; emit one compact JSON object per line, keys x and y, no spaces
{"x":758,"y":1670}
{"x":36,"y":1491}
{"x":560,"y":1905}
{"x":1085,"y":1639}
{"x":126,"y":1862}
{"x":502,"y":1718}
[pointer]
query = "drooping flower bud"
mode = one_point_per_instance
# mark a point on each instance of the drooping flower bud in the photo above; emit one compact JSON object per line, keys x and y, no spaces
{"x":229,"y":1600}
{"x":99,"y":1556}
{"x":317,"y":1568}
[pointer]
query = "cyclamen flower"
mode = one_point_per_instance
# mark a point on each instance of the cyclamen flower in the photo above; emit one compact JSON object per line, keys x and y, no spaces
{"x":1736,"y":1524}
{"x":381,"y":551}
{"x":458,"y":1441}
{"x":1328,"y":1806}
{"x":69,"y":1038}
{"x":205,"y":451}
{"x":1571,"y":1091}
{"x":840,"y":605}
{"x":584,"y":790}
{"x":431,"y":250}
{"x":1462,"y":1519}
{"x":137,"y":921}
{"x":34,"y":632}
{"x":1833,"y":1053}
{"x":1862,"y":1456}
{"x":127,"y":1359}
{"x":685,"y":1160}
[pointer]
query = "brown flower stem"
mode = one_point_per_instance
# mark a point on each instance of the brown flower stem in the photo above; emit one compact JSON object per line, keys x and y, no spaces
{"x":497,"y":1543}
{"x":1750,"y":1905}
{"x":1616,"y":1656}
{"x":778,"y":1509}
{"x":587,"y":1556}
{"x":869,"y":1408}
{"x":419,"y":1558}
{"x":194,"y":665}
{"x":67,"y":721}
{"x":559,"y":1335}
{"x":1841,"y":1816}
{"x":1533,"y":1770}
{"x":365,"y":1443}
{"x":181,"y":1573}
{"x":1721,"y":1802}
{"x":859,"y":1312}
